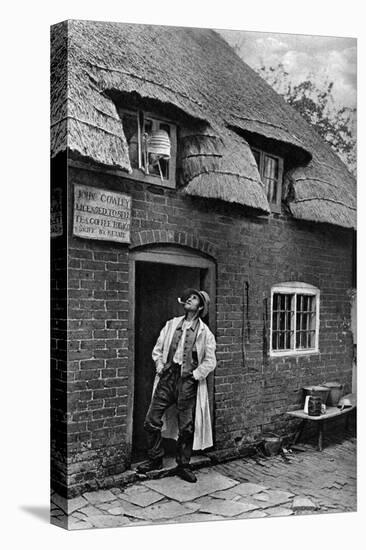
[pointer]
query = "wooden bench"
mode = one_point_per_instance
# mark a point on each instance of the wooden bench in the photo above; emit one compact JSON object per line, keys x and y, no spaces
{"x":331,"y":412}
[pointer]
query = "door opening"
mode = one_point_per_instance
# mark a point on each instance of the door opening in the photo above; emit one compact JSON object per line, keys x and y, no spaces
{"x":157,"y":288}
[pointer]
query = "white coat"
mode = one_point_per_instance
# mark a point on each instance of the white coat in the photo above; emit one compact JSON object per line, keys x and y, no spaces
{"x":206,"y":346}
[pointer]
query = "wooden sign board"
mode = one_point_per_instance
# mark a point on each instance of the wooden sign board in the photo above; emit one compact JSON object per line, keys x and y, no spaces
{"x":101,"y":214}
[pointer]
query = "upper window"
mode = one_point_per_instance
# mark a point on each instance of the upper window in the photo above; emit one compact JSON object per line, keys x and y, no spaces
{"x":152,"y":147}
{"x":294,"y":319}
{"x":271,"y":171}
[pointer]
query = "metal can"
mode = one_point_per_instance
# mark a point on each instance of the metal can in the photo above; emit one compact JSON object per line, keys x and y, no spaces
{"x":314,"y":406}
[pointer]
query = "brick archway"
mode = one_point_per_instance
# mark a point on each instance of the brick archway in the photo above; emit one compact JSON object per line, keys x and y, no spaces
{"x":182,"y":238}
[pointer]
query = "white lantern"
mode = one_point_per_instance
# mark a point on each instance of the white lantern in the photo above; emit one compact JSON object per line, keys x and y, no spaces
{"x":158,"y":144}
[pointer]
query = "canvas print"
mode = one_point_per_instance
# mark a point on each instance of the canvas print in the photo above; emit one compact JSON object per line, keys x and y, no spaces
{"x":203,"y":262}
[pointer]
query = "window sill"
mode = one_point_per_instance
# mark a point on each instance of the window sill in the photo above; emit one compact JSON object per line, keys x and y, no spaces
{"x":139,"y":175}
{"x":296,"y":353}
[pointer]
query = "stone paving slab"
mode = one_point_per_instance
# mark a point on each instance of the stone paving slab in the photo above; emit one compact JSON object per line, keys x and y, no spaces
{"x":242,"y":489}
{"x":223,"y":508}
{"x":162,"y":511}
{"x":303,"y":503}
{"x":183,"y":491}
{"x":268,"y":499}
{"x":117,"y":511}
{"x":120,"y":507}
{"x":105,"y":506}
{"x":103,"y":521}
{"x":256,"y":514}
{"x":76,"y":524}
{"x":273,"y":495}
{"x":140,"y":495}
{"x":279,"y":511}
{"x":245,"y":489}
{"x":196,"y":516}
{"x":76,"y":504}
{"x":228,"y":494}
{"x":87,"y":512}
{"x":59,"y":501}
{"x":95,"y":497}
{"x":78,"y":516}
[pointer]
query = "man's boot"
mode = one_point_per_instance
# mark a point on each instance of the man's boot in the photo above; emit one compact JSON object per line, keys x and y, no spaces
{"x":184,"y":472}
{"x":149,"y":465}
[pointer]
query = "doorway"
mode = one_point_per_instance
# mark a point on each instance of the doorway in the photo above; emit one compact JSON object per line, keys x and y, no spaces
{"x":160,"y":277}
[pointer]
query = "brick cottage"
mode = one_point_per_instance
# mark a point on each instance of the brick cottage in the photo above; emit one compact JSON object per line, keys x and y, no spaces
{"x":249,"y":204}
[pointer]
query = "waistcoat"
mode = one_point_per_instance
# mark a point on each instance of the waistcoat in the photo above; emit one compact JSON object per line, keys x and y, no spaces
{"x":189,"y":349}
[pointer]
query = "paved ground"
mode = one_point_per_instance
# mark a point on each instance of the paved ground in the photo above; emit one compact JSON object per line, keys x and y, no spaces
{"x":301,"y":482}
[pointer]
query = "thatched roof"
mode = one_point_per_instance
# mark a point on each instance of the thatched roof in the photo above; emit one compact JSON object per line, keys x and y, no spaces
{"x":220,"y":166}
{"x":195,"y":72}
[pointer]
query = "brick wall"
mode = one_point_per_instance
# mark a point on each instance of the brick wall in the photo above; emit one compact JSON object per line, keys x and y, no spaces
{"x":58,"y":353}
{"x":252,"y":391}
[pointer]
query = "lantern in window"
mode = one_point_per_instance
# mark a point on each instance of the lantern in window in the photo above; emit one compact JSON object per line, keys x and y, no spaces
{"x":158,"y":144}
{"x":157,"y":148}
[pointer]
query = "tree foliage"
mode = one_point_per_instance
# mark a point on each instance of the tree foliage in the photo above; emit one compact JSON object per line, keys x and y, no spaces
{"x":336,"y":125}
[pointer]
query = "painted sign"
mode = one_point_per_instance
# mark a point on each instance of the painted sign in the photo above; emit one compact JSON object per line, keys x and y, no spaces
{"x":56,"y":213}
{"x":101,"y":214}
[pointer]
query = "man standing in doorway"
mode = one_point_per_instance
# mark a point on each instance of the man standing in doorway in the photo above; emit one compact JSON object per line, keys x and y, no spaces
{"x":184,"y":355}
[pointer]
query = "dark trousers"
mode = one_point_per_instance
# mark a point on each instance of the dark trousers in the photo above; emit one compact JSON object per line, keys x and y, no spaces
{"x":181,"y":390}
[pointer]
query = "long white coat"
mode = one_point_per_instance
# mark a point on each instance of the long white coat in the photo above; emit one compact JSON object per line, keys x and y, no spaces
{"x":206,"y":346}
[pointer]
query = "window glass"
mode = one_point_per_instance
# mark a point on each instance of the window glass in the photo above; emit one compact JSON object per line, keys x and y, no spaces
{"x":305,"y":321}
{"x":270,"y":177}
{"x":130,"y":128}
{"x":164,"y":163}
{"x":270,"y":170}
{"x":282,"y":312}
{"x":257,"y":157}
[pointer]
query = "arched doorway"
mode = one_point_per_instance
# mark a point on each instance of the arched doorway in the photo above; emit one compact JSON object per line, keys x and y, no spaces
{"x":157,"y":276}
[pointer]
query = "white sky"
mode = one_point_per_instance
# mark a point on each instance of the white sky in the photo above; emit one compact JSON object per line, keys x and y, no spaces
{"x":319,"y":56}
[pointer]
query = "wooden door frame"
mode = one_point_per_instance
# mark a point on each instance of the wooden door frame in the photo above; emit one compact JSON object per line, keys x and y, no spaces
{"x":177,"y":256}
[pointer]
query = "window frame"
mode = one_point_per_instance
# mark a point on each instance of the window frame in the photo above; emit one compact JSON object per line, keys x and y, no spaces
{"x":139,"y":173}
{"x":296,"y":288}
{"x":275,"y":206}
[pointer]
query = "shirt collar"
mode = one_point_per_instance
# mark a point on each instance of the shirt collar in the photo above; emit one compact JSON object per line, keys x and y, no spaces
{"x":194,"y":323}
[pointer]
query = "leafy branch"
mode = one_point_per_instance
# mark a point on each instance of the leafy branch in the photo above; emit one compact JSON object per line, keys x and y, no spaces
{"x":336,"y":125}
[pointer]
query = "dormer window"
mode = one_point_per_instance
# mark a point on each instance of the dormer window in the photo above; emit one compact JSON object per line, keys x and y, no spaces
{"x":152,"y":147}
{"x":271,"y":171}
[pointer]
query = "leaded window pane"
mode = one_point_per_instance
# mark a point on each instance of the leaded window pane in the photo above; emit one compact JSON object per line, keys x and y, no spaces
{"x":270,"y":177}
{"x":282,"y":314}
{"x":130,"y":129}
{"x":305,"y":321}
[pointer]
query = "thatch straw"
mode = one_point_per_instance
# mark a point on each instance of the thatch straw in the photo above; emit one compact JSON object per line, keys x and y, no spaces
{"x":220,"y":167}
{"x":82,"y":119}
{"x":196,"y":72}
{"x":228,"y":187}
